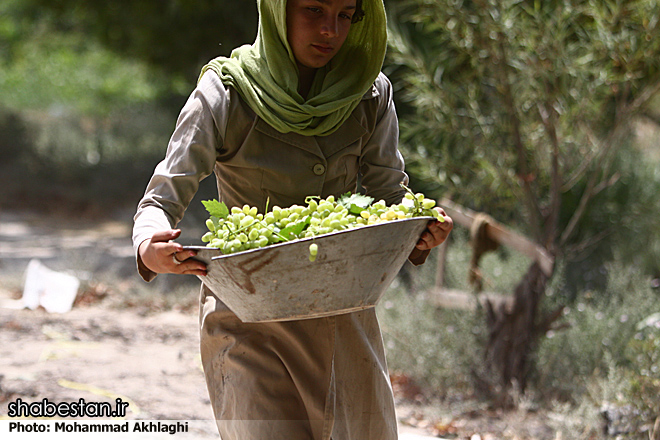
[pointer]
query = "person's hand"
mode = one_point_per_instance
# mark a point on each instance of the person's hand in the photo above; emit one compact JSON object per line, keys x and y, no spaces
{"x":161,"y":255}
{"x":436,"y":232}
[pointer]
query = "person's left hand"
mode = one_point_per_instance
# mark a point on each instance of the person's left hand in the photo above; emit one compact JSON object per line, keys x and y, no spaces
{"x":436,"y":232}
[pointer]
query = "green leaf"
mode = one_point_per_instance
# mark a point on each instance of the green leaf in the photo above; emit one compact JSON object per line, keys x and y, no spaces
{"x":293,"y":231}
{"x":215,"y":208}
{"x":355,"y":203}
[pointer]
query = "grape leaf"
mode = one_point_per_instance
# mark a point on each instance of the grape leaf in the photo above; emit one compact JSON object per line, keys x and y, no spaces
{"x":293,"y":231}
{"x":355,"y":203}
{"x":215,"y":208}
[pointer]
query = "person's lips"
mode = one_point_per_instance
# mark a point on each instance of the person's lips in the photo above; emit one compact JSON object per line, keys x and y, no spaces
{"x":323,"y":48}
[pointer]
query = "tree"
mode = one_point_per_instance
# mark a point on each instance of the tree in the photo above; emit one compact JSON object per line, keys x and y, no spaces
{"x":178,"y":36}
{"x":521,"y":108}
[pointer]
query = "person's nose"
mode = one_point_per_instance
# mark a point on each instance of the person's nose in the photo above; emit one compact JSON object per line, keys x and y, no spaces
{"x":330,"y":26}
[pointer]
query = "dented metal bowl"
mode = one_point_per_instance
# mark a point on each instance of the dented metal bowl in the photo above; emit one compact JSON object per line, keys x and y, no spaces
{"x":352,"y":271}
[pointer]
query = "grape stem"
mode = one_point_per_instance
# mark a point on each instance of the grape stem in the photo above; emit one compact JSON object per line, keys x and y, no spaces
{"x":418,"y":204}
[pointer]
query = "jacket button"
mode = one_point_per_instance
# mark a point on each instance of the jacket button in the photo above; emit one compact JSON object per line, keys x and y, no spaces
{"x":319,"y":169}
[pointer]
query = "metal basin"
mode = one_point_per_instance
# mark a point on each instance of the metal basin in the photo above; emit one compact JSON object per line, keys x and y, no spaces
{"x":352,"y":271}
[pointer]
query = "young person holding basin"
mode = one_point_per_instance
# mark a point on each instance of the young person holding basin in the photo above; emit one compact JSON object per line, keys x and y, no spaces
{"x":304,"y":110}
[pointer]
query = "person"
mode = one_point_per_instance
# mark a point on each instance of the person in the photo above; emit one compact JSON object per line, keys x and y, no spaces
{"x":304,"y":110}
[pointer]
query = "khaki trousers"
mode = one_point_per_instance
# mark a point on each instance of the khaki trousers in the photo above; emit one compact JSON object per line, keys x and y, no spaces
{"x":311,"y":379}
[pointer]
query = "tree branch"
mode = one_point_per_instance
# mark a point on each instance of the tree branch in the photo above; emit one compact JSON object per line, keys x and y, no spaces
{"x":589,"y":192}
{"x":624,"y":111}
{"x":579,"y":172}
{"x":530,"y":199}
{"x":549,"y":118}
{"x":546,"y":325}
{"x":585,"y":244}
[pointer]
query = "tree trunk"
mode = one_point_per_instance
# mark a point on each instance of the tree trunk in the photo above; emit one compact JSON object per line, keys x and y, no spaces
{"x":513,"y":332}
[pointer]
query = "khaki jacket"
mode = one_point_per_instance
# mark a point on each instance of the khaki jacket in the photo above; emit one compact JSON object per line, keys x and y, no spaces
{"x":310,"y":379}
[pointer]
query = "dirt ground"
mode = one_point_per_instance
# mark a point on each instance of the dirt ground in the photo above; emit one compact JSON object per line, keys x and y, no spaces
{"x":126,"y":339}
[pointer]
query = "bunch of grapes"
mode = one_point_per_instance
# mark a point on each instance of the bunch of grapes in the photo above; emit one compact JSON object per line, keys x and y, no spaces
{"x":412,"y":205}
{"x":238,"y":229}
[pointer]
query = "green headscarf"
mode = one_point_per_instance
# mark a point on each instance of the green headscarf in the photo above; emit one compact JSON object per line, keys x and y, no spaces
{"x":266,"y":76}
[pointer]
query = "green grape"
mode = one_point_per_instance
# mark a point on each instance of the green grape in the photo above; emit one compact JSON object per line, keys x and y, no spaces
{"x":313,"y":251}
{"x":270,"y":218}
{"x":246,"y":221}
{"x":253,"y":234}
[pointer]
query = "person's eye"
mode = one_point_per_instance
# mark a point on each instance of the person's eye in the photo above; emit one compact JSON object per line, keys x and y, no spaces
{"x":314,"y":9}
{"x":346,"y":16}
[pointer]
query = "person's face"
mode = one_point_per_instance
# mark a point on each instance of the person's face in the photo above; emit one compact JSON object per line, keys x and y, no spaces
{"x":316,"y":29}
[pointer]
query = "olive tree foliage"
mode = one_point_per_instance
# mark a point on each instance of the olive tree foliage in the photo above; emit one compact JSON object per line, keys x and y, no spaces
{"x":526,"y":110}
{"x":176,"y":35}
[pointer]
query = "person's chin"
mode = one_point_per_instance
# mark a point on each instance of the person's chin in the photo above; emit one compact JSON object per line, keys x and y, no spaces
{"x":321,"y":61}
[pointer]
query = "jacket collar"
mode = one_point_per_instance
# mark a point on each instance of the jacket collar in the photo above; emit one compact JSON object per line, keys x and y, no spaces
{"x":371,"y":93}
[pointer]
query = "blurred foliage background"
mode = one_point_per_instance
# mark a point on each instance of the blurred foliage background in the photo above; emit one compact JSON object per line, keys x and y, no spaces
{"x":529,"y":111}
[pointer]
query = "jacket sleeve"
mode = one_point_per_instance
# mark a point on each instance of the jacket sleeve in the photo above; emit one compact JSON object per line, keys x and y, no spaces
{"x":381,"y":163}
{"x":190,"y":157}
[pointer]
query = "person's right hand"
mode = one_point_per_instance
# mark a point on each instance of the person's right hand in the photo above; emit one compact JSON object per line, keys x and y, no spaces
{"x":161,"y":255}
